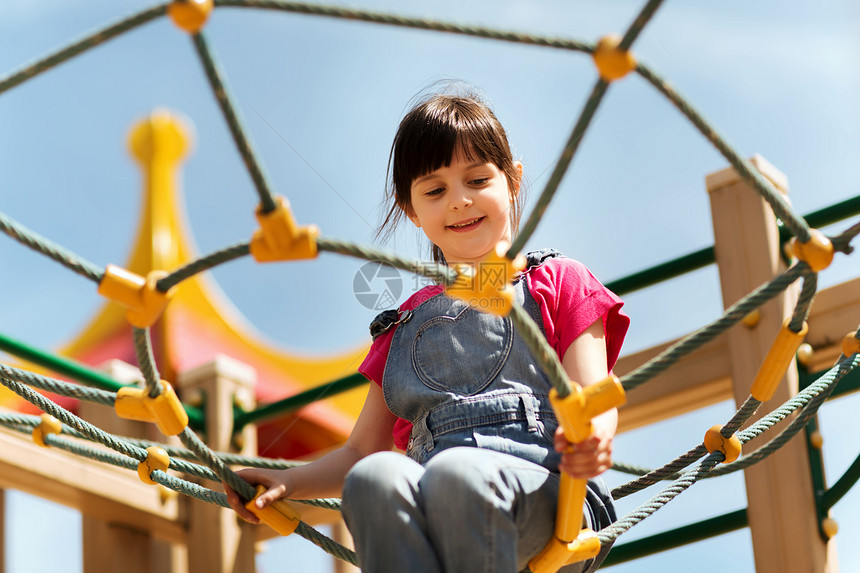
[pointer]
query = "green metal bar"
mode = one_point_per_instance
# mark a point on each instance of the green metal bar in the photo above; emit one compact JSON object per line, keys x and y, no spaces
{"x":663,"y":271}
{"x":301,"y":399}
{"x":59,"y":365}
{"x":677,"y":537}
{"x":704,"y":257}
{"x":826,"y":498}
{"x":816,"y":470}
{"x":828,"y":215}
{"x":842,"y":485}
{"x":849,"y":383}
{"x":77,"y":371}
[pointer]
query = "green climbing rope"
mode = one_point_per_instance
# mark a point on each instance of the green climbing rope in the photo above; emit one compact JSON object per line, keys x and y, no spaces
{"x":215,"y":465}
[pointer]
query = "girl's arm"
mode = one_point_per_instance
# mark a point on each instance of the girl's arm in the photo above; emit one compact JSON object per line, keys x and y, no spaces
{"x":323,"y":477}
{"x":585,"y":363}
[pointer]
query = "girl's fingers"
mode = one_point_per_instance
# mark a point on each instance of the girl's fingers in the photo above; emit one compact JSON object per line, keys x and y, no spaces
{"x":561,"y":444}
{"x":236,"y":503}
{"x":247,"y":516}
{"x":275,"y":490}
{"x":587,"y":459}
{"x":585,"y":472}
{"x":559,"y":441}
{"x":232,"y":498}
{"x":274,"y":493}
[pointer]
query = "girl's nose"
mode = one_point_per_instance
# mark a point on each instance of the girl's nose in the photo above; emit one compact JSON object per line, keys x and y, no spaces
{"x":459,"y":199}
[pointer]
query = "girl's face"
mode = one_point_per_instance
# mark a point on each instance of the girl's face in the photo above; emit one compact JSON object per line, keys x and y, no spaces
{"x":464,"y":208}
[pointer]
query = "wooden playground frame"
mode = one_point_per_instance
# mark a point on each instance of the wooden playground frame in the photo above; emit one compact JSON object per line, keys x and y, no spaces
{"x":134,"y":527}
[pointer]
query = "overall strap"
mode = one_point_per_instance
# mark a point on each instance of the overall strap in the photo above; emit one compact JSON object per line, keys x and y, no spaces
{"x":530,"y":305}
{"x":386,"y":320}
{"x":537,"y":258}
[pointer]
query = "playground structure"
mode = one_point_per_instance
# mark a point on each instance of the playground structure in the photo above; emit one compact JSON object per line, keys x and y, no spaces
{"x":748,"y":250}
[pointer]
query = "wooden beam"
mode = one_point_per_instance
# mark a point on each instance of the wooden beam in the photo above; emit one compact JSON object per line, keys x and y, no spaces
{"x":109,"y":493}
{"x":341,"y":534}
{"x":109,"y":546}
{"x":117,"y":496}
{"x":835,"y":313}
{"x":699,"y":379}
{"x":124,"y":549}
{"x":2,"y":531}
{"x":704,"y":376}
{"x":218,"y":540}
{"x":780,"y":497}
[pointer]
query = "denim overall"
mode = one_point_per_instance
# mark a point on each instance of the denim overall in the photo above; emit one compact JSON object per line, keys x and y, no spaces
{"x":464,"y":378}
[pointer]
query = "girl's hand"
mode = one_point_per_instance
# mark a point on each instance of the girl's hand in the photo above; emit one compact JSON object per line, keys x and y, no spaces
{"x":277,"y":482}
{"x":588,"y":458}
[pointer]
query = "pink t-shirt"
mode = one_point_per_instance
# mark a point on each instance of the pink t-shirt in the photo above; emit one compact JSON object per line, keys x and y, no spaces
{"x":570,"y":300}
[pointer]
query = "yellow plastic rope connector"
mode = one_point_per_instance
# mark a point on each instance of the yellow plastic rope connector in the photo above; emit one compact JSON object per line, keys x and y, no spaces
{"x":49,"y":425}
{"x":805,"y":353}
{"x":144,"y":302}
{"x":777,"y":361}
{"x":829,"y":527}
{"x":850,"y":344}
{"x":165,"y":409}
{"x":571,"y":543}
{"x":279,"y":515}
{"x":156,"y":459}
{"x":486,"y":286}
{"x":717,"y":442}
{"x":816,"y":440}
{"x":166,"y":494}
{"x":752,"y":319}
{"x":190,"y":15}
{"x":817,"y":252}
{"x":612,"y":63}
{"x":280,"y":239}
{"x":557,"y":554}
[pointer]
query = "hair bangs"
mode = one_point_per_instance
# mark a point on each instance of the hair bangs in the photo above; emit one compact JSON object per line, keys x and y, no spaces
{"x":428,"y":138}
{"x":425,"y":149}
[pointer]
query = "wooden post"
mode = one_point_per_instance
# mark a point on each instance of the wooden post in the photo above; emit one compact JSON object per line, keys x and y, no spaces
{"x":109,"y":546}
{"x":2,"y":531}
{"x":341,"y":534}
{"x":780,"y":497}
{"x":218,"y":541}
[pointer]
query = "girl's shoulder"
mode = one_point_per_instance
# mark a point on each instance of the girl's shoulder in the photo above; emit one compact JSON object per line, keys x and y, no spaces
{"x":570,"y":299}
{"x":421,"y":296}
{"x":550,"y":266}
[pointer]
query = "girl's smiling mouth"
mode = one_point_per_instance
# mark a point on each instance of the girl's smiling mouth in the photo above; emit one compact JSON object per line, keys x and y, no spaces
{"x":466,"y":225}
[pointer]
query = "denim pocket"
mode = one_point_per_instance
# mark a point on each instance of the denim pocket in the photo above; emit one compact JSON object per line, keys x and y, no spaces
{"x":462,"y":353}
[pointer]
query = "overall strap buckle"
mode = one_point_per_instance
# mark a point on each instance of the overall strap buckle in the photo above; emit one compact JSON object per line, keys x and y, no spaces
{"x":386,"y":320}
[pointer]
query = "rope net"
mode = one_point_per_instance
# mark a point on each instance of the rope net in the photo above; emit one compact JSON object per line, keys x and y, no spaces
{"x":196,"y":460}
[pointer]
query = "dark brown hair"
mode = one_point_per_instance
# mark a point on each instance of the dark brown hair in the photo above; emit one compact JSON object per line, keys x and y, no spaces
{"x":427,"y":139}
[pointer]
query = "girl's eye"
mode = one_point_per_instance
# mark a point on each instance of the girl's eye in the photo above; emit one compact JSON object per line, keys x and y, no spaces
{"x":479,"y":181}
{"x":433,"y":192}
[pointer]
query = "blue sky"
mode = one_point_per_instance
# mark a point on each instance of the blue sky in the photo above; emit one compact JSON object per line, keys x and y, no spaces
{"x":322,"y":99}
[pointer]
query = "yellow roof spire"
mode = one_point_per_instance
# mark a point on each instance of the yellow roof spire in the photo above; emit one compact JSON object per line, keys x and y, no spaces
{"x":199,"y":322}
{"x":159,"y":144}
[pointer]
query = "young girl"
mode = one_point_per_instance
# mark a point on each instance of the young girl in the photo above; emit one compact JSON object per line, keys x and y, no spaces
{"x":456,"y":388}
